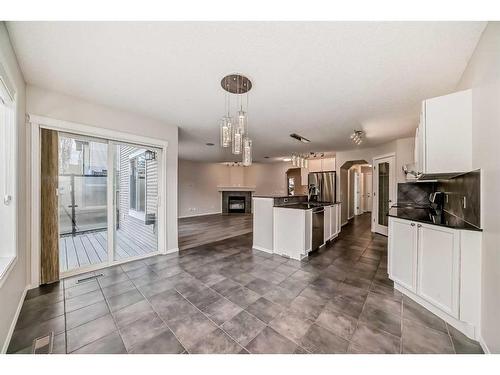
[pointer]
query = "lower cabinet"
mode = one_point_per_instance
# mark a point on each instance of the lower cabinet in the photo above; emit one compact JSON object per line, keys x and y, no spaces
{"x":327,"y":218}
{"x":439,"y":267}
{"x":402,"y":260}
{"x":425,"y":259}
{"x":331,"y":221}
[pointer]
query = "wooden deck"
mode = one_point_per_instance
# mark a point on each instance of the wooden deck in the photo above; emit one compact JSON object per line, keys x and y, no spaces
{"x":201,"y":230}
{"x":90,"y":248}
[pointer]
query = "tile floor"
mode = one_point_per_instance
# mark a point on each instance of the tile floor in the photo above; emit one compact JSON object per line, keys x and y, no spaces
{"x":227,"y":298}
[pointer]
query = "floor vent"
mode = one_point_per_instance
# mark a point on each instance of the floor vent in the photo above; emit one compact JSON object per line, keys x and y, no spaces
{"x":89,"y":278}
{"x":43,"y":344}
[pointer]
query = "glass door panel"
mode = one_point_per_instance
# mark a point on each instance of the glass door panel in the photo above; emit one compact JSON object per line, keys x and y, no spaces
{"x":135,"y":184}
{"x":383,"y":193}
{"x":82,"y":200}
{"x":384,"y":181}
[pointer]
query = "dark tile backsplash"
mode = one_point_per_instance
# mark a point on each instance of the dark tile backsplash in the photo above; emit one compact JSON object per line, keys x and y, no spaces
{"x":467,"y":185}
{"x":415,"y":192}
{"x":279,"y":201}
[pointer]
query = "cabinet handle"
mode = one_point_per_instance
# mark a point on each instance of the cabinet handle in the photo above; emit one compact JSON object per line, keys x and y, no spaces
{"x":419,"y":225}
{"x":412,"y":224}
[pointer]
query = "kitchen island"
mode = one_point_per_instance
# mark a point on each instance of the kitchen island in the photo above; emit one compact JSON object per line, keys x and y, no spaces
{"x":291,"y":226}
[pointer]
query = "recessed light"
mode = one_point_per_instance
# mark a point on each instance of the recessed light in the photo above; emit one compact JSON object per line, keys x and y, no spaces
{"x":266,"y":157}
{"x":209,"y":144}
{"x":287,"y":159}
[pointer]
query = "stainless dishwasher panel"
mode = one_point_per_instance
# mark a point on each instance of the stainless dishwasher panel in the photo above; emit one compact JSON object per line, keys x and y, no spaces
{"x":318,"y":217}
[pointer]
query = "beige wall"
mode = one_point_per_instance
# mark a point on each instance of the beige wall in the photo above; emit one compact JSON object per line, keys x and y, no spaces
{"x":483,"y":76}
{"x":198,"y":182}
{"x":198,"y":194}
{"x":12,"y":289}
{"x":63,"y":107}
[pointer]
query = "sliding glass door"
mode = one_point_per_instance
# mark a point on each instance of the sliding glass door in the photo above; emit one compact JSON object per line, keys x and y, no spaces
{"x":108,"y":197}
{"x":135,"y":200}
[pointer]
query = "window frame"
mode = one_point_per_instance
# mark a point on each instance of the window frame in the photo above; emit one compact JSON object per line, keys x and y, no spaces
{"x":8,"y":100}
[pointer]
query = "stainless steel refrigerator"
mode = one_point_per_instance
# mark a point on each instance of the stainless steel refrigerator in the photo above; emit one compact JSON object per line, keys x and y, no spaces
{"x":322,"y":186}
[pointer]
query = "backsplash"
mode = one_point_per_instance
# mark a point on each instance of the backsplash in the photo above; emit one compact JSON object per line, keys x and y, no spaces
{"x":415,"y":192}
{"x":290,"y":199}
{"x":467,"y":185}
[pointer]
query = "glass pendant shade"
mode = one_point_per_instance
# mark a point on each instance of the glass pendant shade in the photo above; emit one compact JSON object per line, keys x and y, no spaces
{"x":226,"y":131}
{"x":294,"y":160}
{"x":242,"y":121}
{"x":306,"y":164}
{"x":237,"y":141}
{"x":247,"y":152}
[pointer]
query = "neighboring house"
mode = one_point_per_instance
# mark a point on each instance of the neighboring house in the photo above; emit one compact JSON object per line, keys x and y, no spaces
{"x":137,"y":197}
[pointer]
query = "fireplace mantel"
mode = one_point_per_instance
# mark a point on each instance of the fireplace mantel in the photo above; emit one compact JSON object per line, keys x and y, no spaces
{"x":236,"y":188}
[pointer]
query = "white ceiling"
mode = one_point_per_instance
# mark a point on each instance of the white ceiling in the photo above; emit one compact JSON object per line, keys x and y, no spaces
{"x":318,"y":79}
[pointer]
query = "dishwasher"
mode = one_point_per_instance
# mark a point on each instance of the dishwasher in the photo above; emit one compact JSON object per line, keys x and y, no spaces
{"x":318,"y":217}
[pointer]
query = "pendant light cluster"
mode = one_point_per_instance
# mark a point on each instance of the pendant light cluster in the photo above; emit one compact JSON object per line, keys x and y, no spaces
{"x":300,"y":161}
{"x":234,"y":130}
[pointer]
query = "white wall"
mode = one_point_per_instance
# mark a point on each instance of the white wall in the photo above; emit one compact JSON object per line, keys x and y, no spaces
{"x":403,"y":148}
{"x":14,"y":285}
{"x":483,"y":76}
{"x":63,"y":107}
{"x":268,"y":178}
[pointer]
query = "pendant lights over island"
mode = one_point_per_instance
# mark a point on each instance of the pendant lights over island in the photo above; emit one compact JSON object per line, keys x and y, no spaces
{"x":234,"y":132}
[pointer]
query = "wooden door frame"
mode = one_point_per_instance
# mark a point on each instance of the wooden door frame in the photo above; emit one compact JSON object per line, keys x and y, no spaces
{"x":392,"y":182}
{"x":35,"y":124}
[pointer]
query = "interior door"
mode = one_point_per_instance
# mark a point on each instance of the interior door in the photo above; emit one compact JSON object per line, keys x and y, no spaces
{"x":367,"y":192}
{"x":384,"y":191}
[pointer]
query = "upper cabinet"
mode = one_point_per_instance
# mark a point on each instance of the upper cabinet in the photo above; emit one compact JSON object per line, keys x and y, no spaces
{"x":443,"y":142}
{"x":321,"y":165}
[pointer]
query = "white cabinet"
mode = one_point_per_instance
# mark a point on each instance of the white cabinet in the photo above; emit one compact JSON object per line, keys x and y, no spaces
{"x":402,"y":260}
{"x":321,"y":165}
{"x":331,"y":222}
{"x":443,"y":137}
{"x":438,"y":267}
{"x":292,"y":232}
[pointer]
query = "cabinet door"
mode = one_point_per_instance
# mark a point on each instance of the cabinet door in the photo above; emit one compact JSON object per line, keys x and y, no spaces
{"x":326,"y":221}
{"x":314,"y":165}
{"x":328,"y":164}
{"x":333,"y":220}
{"x":438,"y":267}
{"x":402,"y":255}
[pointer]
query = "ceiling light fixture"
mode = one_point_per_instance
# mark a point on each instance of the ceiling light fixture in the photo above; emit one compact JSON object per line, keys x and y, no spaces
{"x":233,"y":133}
{"x":299,"y":160}
{"x":299,"y":138}
{"x":357,"y":137}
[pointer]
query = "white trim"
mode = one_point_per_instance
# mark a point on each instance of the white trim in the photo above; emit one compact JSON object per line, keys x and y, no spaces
{"x":14,"y":321}
{"x":483,"y":345}
{"x":375,"y":227}
{"x":467,"y":329}
{"x":139,"y":215}
{"x":172,"y":251}
{"x":203,"y":214}
{"x":260,"y":248}
{"x":94,"y":131}
{"x":4,"y":273}
{"x":40,"y":122}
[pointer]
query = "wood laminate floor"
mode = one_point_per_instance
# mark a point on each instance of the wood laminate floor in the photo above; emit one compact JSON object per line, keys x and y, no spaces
{"x":201,"y":230}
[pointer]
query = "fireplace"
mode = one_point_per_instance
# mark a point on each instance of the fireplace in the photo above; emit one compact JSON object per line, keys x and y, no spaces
{"x":236,"y":202}
{"x":236,"y":205}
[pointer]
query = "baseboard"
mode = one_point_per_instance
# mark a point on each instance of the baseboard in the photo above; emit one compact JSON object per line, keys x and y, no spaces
{"x":171,"y":251}
{"x":14,"y":321}
{"x":483,"y":345}
{"x":345,"y":223}
{"x":196,"y":215}
{"x":466,"y":328}
{"x":262,"y":249}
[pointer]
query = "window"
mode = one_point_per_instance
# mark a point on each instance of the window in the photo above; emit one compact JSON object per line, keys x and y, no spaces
{"x":137,"y":189}
{"x":8,"y":141}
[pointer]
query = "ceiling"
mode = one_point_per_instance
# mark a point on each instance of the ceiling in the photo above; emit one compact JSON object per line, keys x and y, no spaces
{"x":318,"y":79}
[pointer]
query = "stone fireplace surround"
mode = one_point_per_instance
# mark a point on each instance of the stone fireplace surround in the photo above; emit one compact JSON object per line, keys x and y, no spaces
{"x":225,"y":200}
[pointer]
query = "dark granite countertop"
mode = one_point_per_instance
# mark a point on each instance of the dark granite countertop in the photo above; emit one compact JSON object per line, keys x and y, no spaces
{"x":427,"y":215}
{"x":305,"y":205}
